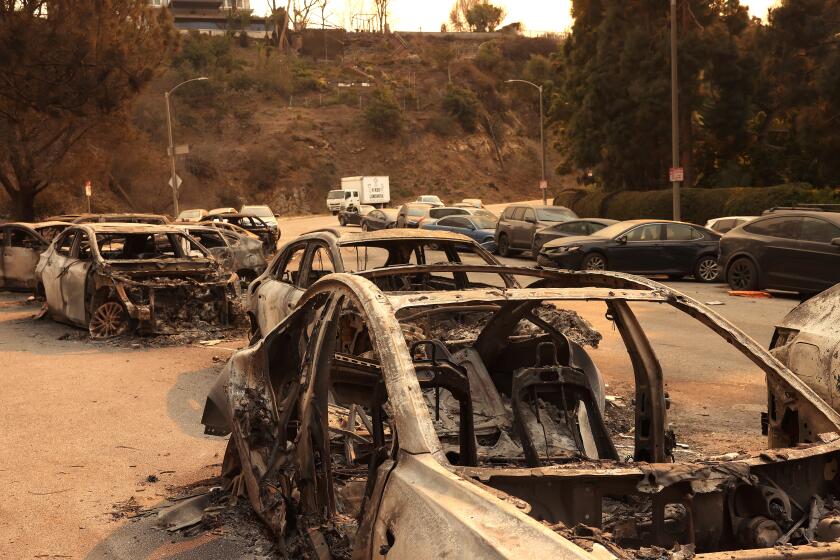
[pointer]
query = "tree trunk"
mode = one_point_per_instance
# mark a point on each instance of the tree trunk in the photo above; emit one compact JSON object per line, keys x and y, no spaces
{"x":23,"y":203}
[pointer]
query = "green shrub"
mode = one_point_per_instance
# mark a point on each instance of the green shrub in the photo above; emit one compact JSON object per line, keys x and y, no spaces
{"x":442,"y":125}
{"x":698,"y":204}
{"x":241,"y":81}
{"x":461,"y":104}
{"x":382,"y":114}
{"x":275,"y":78}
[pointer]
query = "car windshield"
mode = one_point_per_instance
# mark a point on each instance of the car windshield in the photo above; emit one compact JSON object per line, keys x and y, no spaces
{"x":385,"y":254}
{"x":334,"y":195}
{"x":119,"y":246}
{"x":417,"y":211}
{"x":484,"y":222}
{"x":555,"y":214}
{"x":485,"y":213}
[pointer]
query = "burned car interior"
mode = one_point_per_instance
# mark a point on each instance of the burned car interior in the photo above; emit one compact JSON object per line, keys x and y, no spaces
{"x":326,"y":409}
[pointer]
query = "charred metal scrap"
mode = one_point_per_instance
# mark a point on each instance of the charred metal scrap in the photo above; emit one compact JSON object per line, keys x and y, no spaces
{"x":117,"y":278}
{"x":351,"y":439}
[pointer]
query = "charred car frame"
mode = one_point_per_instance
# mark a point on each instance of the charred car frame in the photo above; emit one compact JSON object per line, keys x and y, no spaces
{"x":113,"y":278}
{"x":340,"y":441}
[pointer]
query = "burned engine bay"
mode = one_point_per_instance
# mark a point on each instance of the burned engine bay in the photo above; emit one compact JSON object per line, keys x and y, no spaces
{"x":517,"y":405}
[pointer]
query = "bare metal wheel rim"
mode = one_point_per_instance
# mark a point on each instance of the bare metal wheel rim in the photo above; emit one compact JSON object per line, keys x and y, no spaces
{"x":595,"y":262}
{"x":741,"y":275}
{"x":708,"y":269}
{"x":108,"y":320}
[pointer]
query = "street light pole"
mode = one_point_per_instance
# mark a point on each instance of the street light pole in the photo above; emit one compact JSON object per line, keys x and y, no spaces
{"x":173,"y":176}
{"x":675,"y":114}
{"x":543,"y":180}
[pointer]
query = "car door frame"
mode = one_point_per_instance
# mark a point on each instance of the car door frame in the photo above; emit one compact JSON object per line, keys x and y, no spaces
{"x":273,"y":287}
{"x":75,"y":278}
{"x":51,"y":274}
{"x":680,"y":255}
{"x":620,"y":257}
{"x":815,"y":260}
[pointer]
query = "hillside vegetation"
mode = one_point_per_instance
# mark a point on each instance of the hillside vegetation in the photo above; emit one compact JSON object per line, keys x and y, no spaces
{"x":432,"y":113}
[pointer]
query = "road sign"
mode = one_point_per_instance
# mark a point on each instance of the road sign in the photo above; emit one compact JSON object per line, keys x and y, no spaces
{"x":180,"y":150}
{"x":177,"y":180}
{"x":88,"y":189}
{"x":676,"y":174}
{"x":543,"y":184}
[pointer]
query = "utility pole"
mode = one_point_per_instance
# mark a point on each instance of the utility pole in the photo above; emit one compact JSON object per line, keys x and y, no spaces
{"x":173,"y":181}
{"x":675,"y":173}
{"x":543,"y":180}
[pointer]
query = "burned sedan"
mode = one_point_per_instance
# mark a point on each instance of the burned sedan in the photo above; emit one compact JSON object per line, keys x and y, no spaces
{"x":236,"y":253}
{"x":465,"y":424}
{"x":116,"y":278}
{"x":21,"y":245}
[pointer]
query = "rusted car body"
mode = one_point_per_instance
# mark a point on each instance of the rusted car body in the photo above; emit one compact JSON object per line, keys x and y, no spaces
{"x":21,"y":245}
{"x":300,"y":263}
{"x":122,"y":218}
{"x":808,"y":342}
{"x":115,"y":278}
{"x":361,"y":429}
{"x":269,"y":234}
{"x":236,"y":253}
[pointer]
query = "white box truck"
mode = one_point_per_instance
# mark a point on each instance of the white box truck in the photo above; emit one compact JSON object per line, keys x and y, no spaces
{"x":373,"y":191}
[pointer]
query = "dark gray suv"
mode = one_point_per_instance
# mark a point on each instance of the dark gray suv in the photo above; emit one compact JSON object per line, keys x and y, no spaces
{"x":519,"y":222}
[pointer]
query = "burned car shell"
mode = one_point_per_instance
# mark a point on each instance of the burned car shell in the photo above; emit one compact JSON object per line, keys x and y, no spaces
{"x":271,"y":297}
{"x":21,"y":245}
{"x":269,"y":234}
{"x":112,"y":296}
{"x":808,"y":342}
{"x":236,"y":253}
{"x":124,"y":218}
{"x":420,"y":505}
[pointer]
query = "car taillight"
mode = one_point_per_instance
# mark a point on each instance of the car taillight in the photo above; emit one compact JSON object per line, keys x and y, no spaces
{"x":782,"y":336}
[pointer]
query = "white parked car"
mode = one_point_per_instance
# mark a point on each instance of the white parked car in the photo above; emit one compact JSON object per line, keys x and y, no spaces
{"x":722,"y":225}
{"x":261,"y":211}
{"x":432,"y":199}
{"x":193,"y":215}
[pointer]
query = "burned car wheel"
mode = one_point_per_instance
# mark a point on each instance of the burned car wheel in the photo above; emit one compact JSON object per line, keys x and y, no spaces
{"x":109,"y":320}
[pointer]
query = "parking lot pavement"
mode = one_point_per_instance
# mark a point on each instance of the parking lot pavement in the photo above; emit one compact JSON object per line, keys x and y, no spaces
{"x":84,"y":426}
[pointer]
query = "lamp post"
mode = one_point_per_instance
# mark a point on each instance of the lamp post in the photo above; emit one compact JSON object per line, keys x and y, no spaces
{"x":675,"y":114}
{"x":543,"y":181}
{"x":174,"y":178}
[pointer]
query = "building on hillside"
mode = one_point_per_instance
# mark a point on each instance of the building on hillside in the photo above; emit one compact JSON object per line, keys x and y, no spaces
{"x":214,"y":16}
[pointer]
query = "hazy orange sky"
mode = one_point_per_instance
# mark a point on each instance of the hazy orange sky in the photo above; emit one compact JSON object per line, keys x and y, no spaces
{"x":411,"y":15}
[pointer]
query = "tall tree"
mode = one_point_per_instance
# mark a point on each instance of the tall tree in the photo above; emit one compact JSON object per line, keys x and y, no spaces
{"x":381,"y":14}
{"x":484,"y":17}
{"x":614,"y":106}
{"x":68,"y":67}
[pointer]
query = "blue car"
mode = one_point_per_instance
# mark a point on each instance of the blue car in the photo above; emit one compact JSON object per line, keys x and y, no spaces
{"x":479,"y":227}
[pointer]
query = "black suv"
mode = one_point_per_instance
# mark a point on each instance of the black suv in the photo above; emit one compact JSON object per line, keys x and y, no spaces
{"x":796,"y":249}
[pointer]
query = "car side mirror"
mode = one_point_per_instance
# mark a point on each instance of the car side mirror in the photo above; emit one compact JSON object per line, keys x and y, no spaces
{"x":622,"y":240}
{"x":836,"y":241}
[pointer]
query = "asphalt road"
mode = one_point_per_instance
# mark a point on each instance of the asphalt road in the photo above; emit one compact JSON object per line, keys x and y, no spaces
{"x":86,"y":423}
